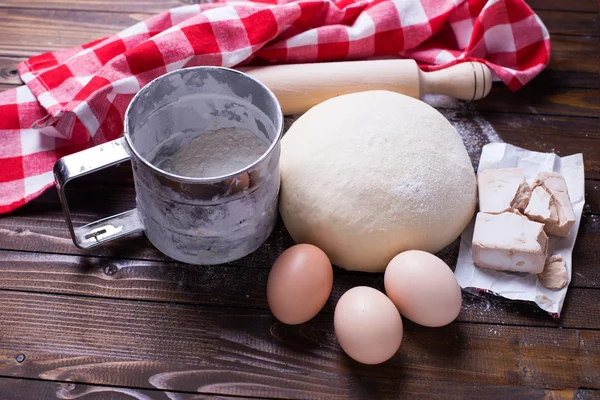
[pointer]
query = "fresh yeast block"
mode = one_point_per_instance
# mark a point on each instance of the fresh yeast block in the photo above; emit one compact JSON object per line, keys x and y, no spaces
{"x":554,"y":184}
{"x":502,"y":190}
{"x":509,"y":242}
{"x":541,"y":207}
{"x":555,"y":275}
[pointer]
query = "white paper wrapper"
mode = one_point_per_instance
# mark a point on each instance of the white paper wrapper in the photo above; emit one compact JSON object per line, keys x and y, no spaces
{"x":519,"y":286}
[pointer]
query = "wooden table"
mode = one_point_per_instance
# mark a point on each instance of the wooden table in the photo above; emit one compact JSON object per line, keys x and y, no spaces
{"x":123,"y":321}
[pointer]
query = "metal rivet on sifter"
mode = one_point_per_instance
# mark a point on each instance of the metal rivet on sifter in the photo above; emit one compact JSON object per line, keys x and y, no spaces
{"x":20,"y":358}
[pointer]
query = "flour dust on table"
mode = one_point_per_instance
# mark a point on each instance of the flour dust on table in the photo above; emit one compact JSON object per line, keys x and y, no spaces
{"x":473,"y":128}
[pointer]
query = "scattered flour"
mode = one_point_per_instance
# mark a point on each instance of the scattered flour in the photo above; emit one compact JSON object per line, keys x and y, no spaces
{"x":474,"y":130}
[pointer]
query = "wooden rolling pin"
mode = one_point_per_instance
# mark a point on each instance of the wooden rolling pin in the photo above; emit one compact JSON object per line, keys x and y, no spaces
{"x":298,"y":87}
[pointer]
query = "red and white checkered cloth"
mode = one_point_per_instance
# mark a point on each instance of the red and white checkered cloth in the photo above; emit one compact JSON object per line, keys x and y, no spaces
{"x":75,"y":98}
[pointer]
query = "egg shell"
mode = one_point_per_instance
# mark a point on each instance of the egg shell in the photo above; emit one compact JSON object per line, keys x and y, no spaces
{"x":423,"y":288}
{"x":239,"y":183}
{"x":299,"y":284}
{"x":367,"y":325}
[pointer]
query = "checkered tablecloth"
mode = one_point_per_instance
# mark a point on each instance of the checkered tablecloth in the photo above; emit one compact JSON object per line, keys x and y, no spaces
{"x":77,"y":97}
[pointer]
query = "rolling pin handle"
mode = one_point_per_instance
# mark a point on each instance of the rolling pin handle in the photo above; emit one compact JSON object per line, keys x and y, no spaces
{"x":465,"y":81}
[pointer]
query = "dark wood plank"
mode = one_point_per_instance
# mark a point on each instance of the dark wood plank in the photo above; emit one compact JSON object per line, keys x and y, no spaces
{"x":575,"y":59}
{"x":150,"y":6}
{"x":77,"y":25}
{"x":28,"y":389}
{"x":574,"y":63}
{"x":592,"y":197}
{"x":557,"y":22}
{"x":8,"y":71}
{"x":26,"y":32}
{"x":240,"y":351}
{"x":570,"y":24}
{"x":121,"y":6}
{"x":234,"y":286}
{"x":40,"y":227}
{"x":4,"y":87}
{"x":561,"y":135}
{"x":542,"y":7}
{"x":542,"y":100}
{"x":561,"y":5}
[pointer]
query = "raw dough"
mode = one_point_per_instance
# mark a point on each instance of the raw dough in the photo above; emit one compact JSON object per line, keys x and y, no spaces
{"x":368,"y":175}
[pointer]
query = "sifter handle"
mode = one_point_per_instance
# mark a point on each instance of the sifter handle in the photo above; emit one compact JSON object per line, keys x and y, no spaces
{"x":83,"y":163}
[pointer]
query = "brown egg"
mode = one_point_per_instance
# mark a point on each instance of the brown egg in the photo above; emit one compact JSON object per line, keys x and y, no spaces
{"x":367,"y":325}
{"x":423,"y":288}
{"x":299,"y":284}
{"x":239,"y":183}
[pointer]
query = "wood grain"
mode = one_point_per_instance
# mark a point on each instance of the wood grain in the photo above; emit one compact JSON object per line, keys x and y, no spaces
{"x":542,"y":100}
{"x":561,"y":135}
{"x":115,"y":6}
{"x":28,"y":389}
{"x":571,"y":53}
{"x":40,"y":226}
{"x":232,"y":286}
{"x":570,"y":24}
{"x":547,"y":10}
{"x":561,"y":5}
{"x":126,"y":322}
{"x":8,"y":71}
{"x":542,"y":7}
{"x":227,"y":351}
{"x":26,"y":32}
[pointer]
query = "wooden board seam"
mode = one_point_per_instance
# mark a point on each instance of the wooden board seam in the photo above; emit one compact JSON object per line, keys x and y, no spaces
{"x":566,"y":10}
{"x":233,"y":264}
{"x":541,"y":114}
{"x":142,"y":388}
{"x":215,"y":306}
{"x":580,"y":117}
{"x":217,"y":395}
{"x":522,"y":326}
{"x":140,"y":12}
{"x":125,"y":12}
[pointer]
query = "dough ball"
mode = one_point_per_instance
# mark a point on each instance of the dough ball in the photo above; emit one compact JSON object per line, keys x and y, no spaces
{"x":368,"y":175}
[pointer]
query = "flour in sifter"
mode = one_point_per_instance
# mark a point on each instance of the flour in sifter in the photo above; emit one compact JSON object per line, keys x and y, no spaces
{"x":210,"y":154}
